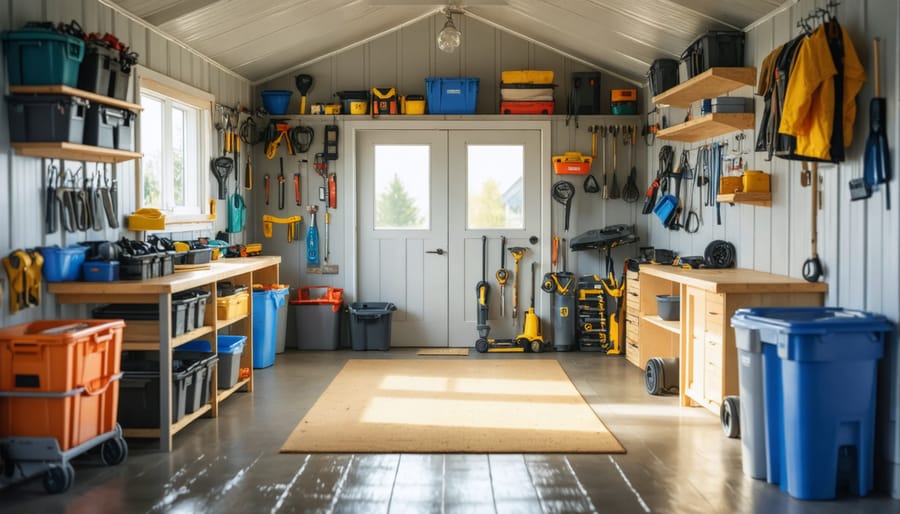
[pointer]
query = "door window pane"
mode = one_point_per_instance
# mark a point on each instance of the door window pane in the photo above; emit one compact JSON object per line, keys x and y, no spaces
{"x":402,"y":177}
{"x":495,"y":174}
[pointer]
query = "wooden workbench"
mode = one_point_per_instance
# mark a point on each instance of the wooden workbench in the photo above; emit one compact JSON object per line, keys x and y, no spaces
{"x":703,"y":338}
{"x":156,"y":335}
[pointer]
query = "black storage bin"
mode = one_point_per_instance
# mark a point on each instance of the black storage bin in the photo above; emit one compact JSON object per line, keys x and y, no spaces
{"x":198,"y":256}
{"x":122,"y":133}
{"x":46,"y":118}
{"x":202,"y":299}
{"x":95,"y":69}
{"x":189,"y":299}
{"x":100,"y":124}
{"x":585,"y":95}
{"x":200,"y":365}
{"x":146,"y":312}
{"x":370,"y":325}
{"x":119,"y":77}
{"x":139,"y":390}
{"x":166,"y":262}
{"x":713,"y":49}
{"x":137,"y":267}
{"x":663,"y":75}
{"x":351,"y":96}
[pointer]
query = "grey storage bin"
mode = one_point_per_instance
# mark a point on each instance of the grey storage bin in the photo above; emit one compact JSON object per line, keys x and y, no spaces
{"x":317,"y":320}
{"x":668,"y":307}
{"x":370,"y":325}
{"x":230,"y":350}
{"x":751,"y":387}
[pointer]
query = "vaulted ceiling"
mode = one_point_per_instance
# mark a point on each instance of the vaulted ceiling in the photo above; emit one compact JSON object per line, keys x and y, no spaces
{"x":260,"y":38}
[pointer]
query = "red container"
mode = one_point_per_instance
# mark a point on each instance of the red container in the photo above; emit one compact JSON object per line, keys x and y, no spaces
{"x":59,"y":355}
{"x":72,"y":417}
{"x":527,"y":107}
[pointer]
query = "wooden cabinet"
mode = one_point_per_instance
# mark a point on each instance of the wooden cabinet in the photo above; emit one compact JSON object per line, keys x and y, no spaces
{"x":156,"y":335}
{"x":632,"y":317}
{"x":709,"y":84}
{"x":656,"y":337}
{"x":74,"y":151}
{"x":704,"y":338}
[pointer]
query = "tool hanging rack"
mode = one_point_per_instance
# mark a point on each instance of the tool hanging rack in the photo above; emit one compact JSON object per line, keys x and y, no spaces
{"x":806,"y":23}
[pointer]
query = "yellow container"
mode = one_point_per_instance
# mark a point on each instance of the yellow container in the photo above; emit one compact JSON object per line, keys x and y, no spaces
{"x":147,"y":219}
{"x":329,"y":109}
{"x":756,"y":182}
{"x":234,"y":306}
{"x":412,"y":104}
{"x":527,"y":77}
{"x":728,"y":185}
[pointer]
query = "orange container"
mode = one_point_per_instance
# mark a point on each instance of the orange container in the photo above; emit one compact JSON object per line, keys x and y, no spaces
{"x":59,"y":355}
{"x":328,"y":294}
{"x":72,"y":418}
{"x":571,"y":163}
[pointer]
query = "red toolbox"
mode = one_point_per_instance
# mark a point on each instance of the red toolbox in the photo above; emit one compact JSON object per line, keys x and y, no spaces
{"x":527,"y":107}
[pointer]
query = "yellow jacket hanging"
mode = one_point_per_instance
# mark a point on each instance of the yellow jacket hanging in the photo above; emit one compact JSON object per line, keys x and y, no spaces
{"x":809,"y":103}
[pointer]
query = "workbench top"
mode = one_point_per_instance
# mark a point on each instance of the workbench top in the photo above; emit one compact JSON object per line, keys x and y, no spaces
{"x":220,"y":269}
{"x":733,"y":280}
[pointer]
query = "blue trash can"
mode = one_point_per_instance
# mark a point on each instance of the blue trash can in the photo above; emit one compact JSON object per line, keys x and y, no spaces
{"x":265,"y":325}
{"x":825,"y":411}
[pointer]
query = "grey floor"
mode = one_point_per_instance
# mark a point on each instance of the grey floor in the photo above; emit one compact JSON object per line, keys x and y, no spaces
{"x":677,"y":461}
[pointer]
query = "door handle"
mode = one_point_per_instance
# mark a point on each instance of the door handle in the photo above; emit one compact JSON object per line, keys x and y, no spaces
{"x":439,"y":251}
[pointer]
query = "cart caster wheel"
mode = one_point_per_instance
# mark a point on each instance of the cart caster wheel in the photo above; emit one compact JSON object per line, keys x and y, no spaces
{"x":730,"y":416}
{"x":481,"y":345}
{"x":114,"y":451}
{"x":536,"y":346}
{"x":59,"y":479}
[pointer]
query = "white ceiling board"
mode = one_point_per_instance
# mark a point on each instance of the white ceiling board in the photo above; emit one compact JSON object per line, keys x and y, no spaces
{"x":262,"y":38}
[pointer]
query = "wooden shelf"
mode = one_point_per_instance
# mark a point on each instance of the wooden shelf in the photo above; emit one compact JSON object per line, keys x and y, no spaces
{"x":74,"y":152}
{"x":708,"y":126}
{"x":153,"y":433}
{"x":671,"y":326}
{"x":709,"y":84}
{"x":190,"y":336}
{"x":758,"y":199}
{"x":226,"y":322}
{"x":67,"y":90}
{"x":225,"y":393}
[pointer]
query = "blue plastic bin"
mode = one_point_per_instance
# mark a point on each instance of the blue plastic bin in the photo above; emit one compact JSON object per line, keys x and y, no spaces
{"x":825,"y":411}
{"x":37,"y":57}
{"x":100,"y":271}
{"x":62,"y":264}
{"x":276,"y":101}
{"x":265,"y":325}
{"x":451,"y":96}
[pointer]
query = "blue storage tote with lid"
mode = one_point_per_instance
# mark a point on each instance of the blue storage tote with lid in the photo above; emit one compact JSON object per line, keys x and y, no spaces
{"x":41,"y":57}
{"x":825,"y":404}
{"x":62,"y":264}
{"x":451,"y":95}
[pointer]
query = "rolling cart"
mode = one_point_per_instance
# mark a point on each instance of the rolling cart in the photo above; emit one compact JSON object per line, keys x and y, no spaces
{"x":26,"y":457}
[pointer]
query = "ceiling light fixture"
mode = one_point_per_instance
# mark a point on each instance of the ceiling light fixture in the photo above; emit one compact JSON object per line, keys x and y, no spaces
{"x":449,"y":38}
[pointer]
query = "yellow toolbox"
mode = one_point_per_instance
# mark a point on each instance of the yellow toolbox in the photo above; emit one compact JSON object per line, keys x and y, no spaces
{"x":755,"y":181}
{"x":233,"y":306}
{"x":731,"y":184}
{"x":527,"y":77}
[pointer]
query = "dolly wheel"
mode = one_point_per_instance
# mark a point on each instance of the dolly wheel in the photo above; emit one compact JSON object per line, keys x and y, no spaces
{"x":730,"y":416}
{"x":59,"y":478}
{"x":536,"y":346}
{"x":481,"y":345}
{"x":114,"y":451}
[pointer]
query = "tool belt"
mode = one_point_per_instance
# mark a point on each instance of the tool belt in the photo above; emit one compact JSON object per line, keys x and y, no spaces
{"x":23,"y":268}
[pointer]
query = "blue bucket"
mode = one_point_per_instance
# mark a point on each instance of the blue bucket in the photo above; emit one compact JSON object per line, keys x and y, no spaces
{"x":62,"y":264}
{"x":276,"y":101}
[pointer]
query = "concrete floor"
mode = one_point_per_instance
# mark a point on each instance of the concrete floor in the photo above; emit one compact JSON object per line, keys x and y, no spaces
{"x":678,"y":461}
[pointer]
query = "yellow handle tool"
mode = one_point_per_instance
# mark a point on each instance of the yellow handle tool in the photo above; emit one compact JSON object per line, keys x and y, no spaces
{"x":517,"y":252}
{"x":291,"y":222}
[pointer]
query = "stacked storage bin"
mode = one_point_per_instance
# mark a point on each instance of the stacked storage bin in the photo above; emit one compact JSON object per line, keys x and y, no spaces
{"x":60,"y":379}
{"x":527,"y":92}
{"x":317,"y":317}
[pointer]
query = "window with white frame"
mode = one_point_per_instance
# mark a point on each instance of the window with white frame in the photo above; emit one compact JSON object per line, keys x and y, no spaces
{"x":174,"y":128}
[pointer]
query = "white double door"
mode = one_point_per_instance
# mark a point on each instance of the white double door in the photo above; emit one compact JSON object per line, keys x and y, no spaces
{"x":425,"y":199}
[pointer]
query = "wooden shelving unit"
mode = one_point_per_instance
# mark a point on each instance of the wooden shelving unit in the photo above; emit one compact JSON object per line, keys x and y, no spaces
{"x":711,"y":125}
{"x":671,"y":326}
{"x":758,"y":199}
{"x":709,"y":84}
{"x":74,"y":151}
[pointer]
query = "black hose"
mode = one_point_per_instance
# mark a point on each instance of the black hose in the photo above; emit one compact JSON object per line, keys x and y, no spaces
{"x":301,"y":138}
{"x":719,"y":254}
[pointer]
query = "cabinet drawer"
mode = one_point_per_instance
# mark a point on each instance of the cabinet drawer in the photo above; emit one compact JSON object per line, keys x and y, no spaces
{"x":712,"y":385}
{"x":633,"y":354}
{"x":633,"y":304}
{"x":632,"y":334}
{"x":633,"y":286}
{"x":715,"y":314}
{"x":713,"y":351}
{"x":632,"y":276}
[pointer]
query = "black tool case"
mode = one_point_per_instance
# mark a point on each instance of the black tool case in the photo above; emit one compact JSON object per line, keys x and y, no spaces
{"x":723,"y":48}
{"x":46,"y":118}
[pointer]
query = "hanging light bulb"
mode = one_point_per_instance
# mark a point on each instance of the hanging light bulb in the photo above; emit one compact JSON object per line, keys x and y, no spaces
{"x":449,"y":37}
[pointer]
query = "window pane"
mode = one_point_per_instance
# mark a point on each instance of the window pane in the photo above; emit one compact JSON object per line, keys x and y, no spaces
{"x":494,"y":186}
{"x":151,"y":147}
{"x":402,"y":176}
{"x":178,"y":145}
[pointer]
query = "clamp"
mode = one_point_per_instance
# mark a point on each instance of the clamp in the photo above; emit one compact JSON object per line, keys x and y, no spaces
{"x":293,"y":223}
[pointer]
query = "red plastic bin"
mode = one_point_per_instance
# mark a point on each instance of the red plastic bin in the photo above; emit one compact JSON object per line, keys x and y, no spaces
{"x":72,"y":417}
{"x":58,"y":356}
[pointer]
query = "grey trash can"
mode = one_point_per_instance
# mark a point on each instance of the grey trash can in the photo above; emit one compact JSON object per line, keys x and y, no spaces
{"x":281,"y":321}
{"x":753,"y":411}
{"x":370,"y":325}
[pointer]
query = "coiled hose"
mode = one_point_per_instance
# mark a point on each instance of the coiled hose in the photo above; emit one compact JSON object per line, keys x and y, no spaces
{"x":719,"y":254}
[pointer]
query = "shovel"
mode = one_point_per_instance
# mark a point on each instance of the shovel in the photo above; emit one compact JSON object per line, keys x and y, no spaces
{"x":304,"y":83}
{"x":877,"y":165}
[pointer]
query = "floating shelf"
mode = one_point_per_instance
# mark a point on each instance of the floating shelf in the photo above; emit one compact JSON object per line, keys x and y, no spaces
{"x":708,"y":126}
{"x":709,"y":84}
{"x":758,"y":199}
{"x":67,"y":90}
{"x":671,"y":326}
{"x":74,"y":152}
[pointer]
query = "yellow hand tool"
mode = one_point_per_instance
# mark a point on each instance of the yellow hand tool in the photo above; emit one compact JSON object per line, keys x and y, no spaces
{"x":502,"y":276}
{"x":16,"y":265}
{"x":517,"y":252}
{"x":33,"y":278}
{"x":291,"y":222}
